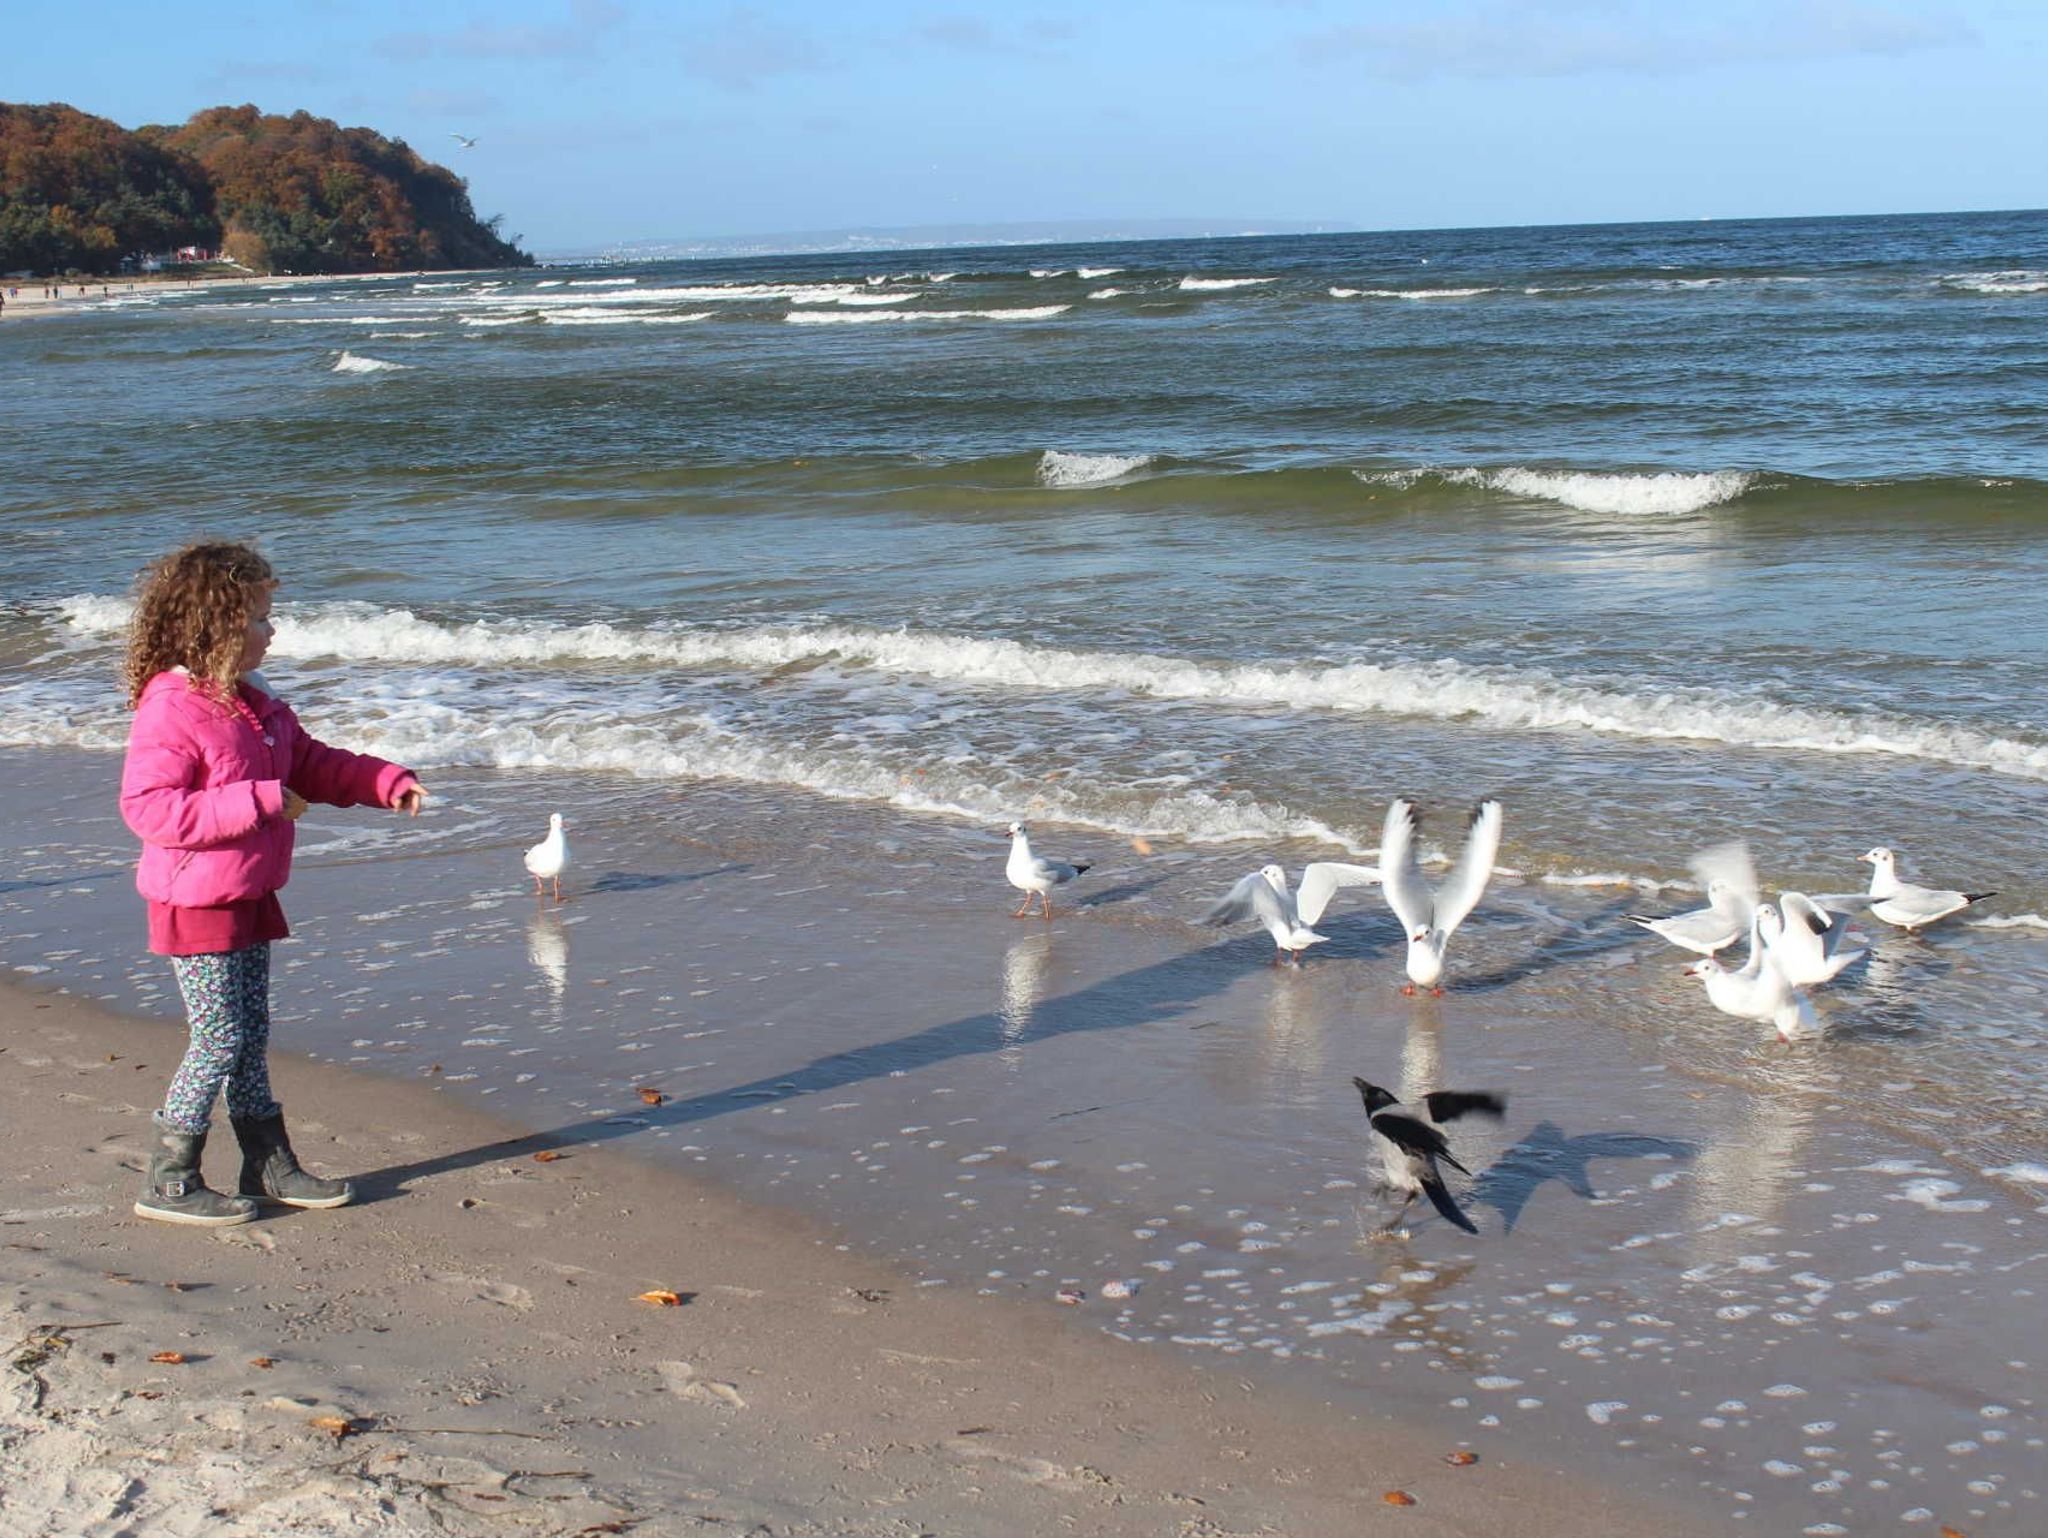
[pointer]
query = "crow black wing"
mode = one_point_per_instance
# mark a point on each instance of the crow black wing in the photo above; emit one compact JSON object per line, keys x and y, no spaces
{"x":1415,"y":1137}
{"x":1450,"y":1104}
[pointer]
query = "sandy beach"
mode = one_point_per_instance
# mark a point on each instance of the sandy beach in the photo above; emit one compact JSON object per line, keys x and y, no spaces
{"x":30,"y":299}
{"x":463,"y":1352}
{"x":873,"y":1179}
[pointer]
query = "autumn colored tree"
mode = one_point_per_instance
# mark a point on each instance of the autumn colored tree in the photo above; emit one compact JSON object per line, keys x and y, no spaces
{"x":302,"y":194}
{"x":278,"y":194}
{"x":78,"y":193}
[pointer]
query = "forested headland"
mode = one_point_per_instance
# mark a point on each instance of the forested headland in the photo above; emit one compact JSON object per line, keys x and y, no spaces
{"x":81,"y":194}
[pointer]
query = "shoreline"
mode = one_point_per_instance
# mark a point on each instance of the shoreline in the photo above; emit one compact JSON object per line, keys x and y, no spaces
{"x":1119,"y":1095}
{"x":33,"y":304}
{"x":472,"y":1321}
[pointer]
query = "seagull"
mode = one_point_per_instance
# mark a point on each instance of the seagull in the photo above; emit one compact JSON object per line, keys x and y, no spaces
{"x":1431,"y":917}
{"x":1759,"y":989}
{"x":1813,"y":945}
{"x":547,"y":860}
{"x":466,"y":141}
{"x":1411,"y":1144}
{"x":1911,"y":908}
{"x":1725,"y":871}
{"x":1289,"y":916}
{"x":1033,"y":875}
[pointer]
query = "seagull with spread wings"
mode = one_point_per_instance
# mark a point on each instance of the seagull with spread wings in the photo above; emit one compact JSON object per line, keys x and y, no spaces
{"x":1289,"y":915}
{"x":1430,"y":916}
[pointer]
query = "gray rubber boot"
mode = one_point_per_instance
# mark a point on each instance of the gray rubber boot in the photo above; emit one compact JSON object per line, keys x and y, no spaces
{"x":174,"y":1191}
{"x":270,"y":1170}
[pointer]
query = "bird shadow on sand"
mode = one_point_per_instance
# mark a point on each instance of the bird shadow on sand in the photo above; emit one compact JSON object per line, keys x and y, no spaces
{"x":1599,"y":933}
{"x":1123,"y":892}
{"x":1545,"y":1153}
{"x":1161,"y":994}
{"x":636,"y":881}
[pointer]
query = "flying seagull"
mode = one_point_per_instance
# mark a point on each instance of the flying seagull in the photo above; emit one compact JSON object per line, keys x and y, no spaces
{"x":1034,"y":875}
{"x":1411,"y":1144}
{"x":1289,"y":916}
{"x":1815,"y":945}
{"x":1725,"y":871}
{"x":1430,"y":916}
{"x":466,"y":142}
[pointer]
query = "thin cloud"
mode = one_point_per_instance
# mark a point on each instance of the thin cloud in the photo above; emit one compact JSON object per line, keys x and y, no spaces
{"x":1497,"y":41}
{"x":1032,"y":38}
{"x":577,"y":36}
{"x":745,"y":47}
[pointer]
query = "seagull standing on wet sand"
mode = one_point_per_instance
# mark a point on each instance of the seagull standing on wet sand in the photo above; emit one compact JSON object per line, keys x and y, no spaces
{"x":547,"y":860}
{"x":1912,"y":908}
{"x":1289,"y":916}
{"x":1431,"y":916}
{"x":1759,"y":989}
{"x":1034,"y":875}
{"x":1411,"y":1144}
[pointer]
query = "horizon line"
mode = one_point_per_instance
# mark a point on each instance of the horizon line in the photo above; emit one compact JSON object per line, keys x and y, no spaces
{"x":761,"y":244}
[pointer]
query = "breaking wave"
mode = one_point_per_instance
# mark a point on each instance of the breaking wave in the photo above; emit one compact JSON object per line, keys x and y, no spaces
{"x":1500,"y":698}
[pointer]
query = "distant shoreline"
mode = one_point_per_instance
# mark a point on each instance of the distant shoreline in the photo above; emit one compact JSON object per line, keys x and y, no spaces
{"x":76,"y":297}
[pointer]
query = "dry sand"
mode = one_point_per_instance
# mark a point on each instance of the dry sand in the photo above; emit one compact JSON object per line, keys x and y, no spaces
{"x":472,"y":1324}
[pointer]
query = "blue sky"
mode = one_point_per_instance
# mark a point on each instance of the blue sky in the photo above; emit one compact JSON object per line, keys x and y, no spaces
{"x":608,"y":120}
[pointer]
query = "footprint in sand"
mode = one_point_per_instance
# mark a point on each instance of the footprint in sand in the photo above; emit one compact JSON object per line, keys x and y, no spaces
{"x":480,"y":1290}
{"x":680,"y":1378}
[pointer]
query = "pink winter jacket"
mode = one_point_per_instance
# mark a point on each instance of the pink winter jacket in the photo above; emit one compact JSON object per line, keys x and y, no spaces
{"x":204,"y":791}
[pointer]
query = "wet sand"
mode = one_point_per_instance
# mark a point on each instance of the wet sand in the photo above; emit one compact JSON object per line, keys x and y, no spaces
{"x":1700,"y":1278}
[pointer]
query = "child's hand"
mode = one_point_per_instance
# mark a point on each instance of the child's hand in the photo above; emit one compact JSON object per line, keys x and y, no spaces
{"x":294,"y":804}
{"x":411,"y":800}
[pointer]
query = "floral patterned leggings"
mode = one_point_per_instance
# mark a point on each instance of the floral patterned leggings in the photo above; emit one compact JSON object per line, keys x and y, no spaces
{"x":227,"y":1001}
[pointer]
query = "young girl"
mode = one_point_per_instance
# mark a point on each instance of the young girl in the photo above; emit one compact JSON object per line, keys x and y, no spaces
{"x":218,"y":771}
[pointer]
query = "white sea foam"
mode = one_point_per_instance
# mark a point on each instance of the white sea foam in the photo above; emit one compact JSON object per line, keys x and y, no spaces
{"x":1095,"y":272}
{"x":427,"y":733}
{"x":1524,"y":699}
{"x":1415,"y":293}
{"x":1202,"y":284}
{"x":1345,"y":293}
{"x":614,"y":318}
{"x":1057,"y":468}
{"x":549,"y":283}
{"x":1048,"y":272}
{"x":2009,"y":921}
{"x":1107,"y":293}
{"x":2015,"y":281}
{"x":526,"y":318}
{"x":1669,"y":491}
{"x":694,"y":293}
{"x":829,"y":318}
{"x":350,"y":363}
{"x":2025,"y":1173}
{"x":602,"y":282}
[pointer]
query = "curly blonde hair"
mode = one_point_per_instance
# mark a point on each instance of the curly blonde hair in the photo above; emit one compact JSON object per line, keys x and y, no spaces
{"x":192,"y":611}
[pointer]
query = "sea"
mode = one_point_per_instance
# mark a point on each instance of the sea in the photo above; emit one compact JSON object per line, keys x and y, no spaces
{"x":793,"y":580}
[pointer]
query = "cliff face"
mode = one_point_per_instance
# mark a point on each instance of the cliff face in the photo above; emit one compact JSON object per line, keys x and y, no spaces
{"x":278,"y":194}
